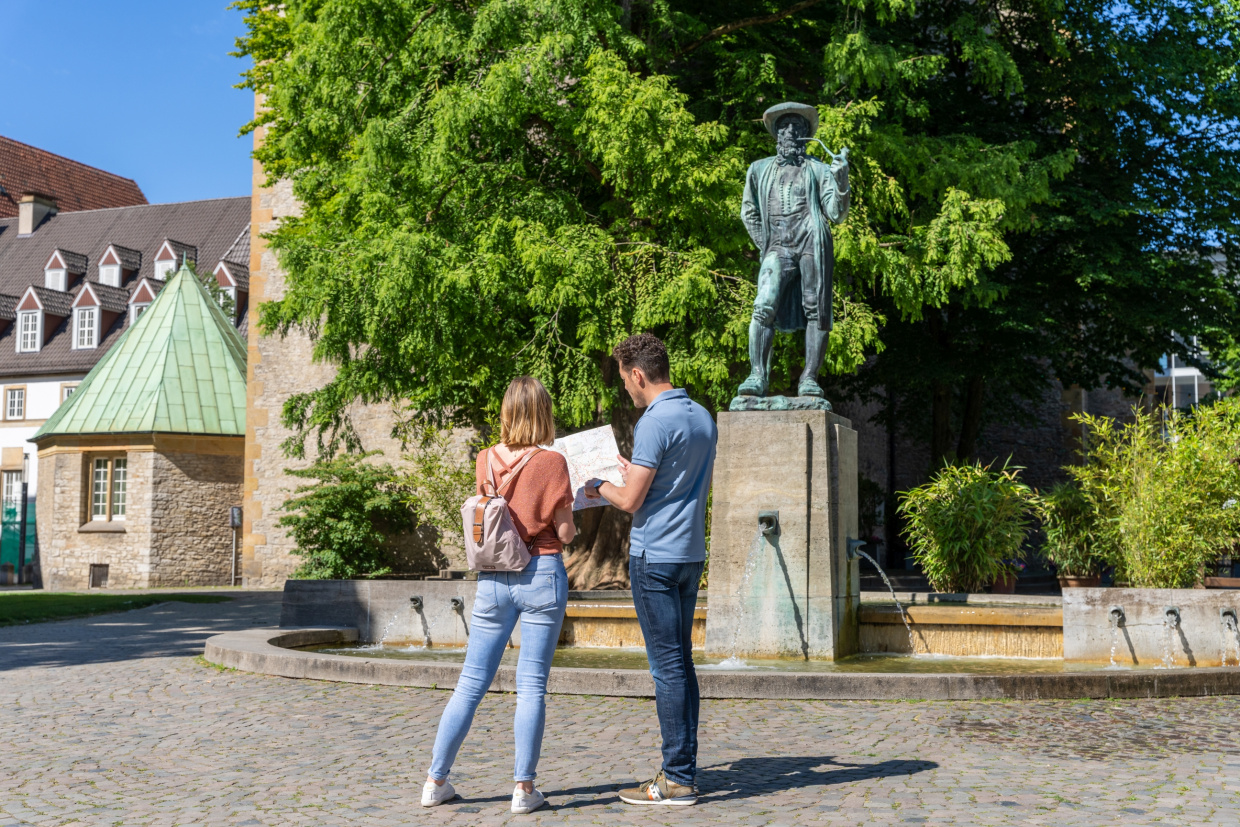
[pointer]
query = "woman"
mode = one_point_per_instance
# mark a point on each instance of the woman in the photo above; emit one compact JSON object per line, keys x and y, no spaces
{"x":541,"y":502}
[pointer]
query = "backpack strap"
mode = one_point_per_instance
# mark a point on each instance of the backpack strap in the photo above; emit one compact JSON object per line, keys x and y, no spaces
{"x":480,"y":508}
{"x":512,"y":475}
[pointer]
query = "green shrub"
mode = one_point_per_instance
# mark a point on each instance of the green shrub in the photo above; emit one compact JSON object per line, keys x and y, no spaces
{"x":967,"y":525}
{"x":1068,"y":518}
{"x":342,"y":523}
{"x":1163,"y":489}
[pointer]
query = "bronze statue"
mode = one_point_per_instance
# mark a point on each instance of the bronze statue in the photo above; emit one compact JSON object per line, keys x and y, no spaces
{"x":789,"y":200}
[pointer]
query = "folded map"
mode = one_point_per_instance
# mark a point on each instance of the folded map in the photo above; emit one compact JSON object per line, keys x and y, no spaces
{"x":591,"y":455}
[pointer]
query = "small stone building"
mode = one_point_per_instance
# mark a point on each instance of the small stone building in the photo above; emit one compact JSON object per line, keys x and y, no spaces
{"x":139,"y":467}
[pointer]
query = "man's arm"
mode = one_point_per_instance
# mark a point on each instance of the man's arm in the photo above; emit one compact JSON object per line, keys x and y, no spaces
{"x":834,"y":198}
{"x":637,"y":479}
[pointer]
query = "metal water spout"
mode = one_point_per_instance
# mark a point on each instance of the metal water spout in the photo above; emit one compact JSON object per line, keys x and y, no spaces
{"x":458,"y":605}
{"x":1171,"y":615}
{"x":1230,"y":631}
{"x":768,"y":522}
{"x":1116,"y":615}
{"x":416,"y":603}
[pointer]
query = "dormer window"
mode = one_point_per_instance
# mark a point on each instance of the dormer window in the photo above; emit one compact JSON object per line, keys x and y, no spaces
{"x":136,"y":311}
{"x":170,"y":255}
{"x":62,"y":268}
{"x":85,"y":328}
{"x":163,"y":269}
{"x":29,"y":323}
{"x":110,"y":274}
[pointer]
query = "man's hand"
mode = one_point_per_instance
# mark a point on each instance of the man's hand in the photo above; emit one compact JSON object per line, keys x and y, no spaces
{"x":591,"y":489}
{"x":624,"y":469}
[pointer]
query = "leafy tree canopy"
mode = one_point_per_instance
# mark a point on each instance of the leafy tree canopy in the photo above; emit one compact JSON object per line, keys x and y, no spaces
{"x":494,"y":187}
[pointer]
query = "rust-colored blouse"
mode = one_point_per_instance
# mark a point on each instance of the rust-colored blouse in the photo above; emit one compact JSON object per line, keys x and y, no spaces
{"x":533,"y":497}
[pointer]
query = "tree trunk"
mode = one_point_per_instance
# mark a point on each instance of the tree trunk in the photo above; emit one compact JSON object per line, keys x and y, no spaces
{"x":971,"y":420}
{"x":599,"y":557}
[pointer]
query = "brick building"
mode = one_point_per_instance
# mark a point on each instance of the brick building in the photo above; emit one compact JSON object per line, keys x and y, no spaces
{"x":140,"y":466}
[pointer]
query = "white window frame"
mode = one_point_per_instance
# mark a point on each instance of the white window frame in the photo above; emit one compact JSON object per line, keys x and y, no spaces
{"x":66,"y":391}
{"x":135,"y":310}
{"x":12,"y":494}
{"x":110,"y":274}
{"x":81,"y":326}
{"x":56,"y":279}
{"x":15,"y":395}
{"x":163,"y":268}
{"x":37,"y":331}
{"x":109,"y":488}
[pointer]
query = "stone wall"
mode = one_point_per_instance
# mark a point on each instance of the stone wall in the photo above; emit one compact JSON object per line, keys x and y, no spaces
{"x":279,"y":367}
{"x":69,"y":543}
{"x":191,"y":494}
{"x":175,"y":531}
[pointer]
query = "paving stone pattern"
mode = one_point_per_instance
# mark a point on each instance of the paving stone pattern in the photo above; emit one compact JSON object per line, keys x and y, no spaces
{"x":111,"y":721}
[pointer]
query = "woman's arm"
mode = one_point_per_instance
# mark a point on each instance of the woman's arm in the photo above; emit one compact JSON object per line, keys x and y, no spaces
{"x":565,"y":528}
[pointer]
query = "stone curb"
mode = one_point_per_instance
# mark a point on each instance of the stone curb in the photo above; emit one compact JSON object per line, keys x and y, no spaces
{"x":265,"y":651}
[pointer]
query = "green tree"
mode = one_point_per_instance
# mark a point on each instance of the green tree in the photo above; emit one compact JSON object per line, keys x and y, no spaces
{"x":343,"y":523}
{"x":492,"y":187}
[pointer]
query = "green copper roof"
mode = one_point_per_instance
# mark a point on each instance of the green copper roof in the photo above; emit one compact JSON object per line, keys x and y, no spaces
{"x":180,"y":368}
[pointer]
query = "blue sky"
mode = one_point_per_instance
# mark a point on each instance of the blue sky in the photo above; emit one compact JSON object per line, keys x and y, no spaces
{"x":137,"y":87}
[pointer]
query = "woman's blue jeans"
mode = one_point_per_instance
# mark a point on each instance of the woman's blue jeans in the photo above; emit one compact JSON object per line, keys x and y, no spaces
{"x":537,"y":596}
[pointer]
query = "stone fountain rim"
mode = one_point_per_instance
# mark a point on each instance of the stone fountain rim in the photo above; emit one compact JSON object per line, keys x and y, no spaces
{"x":265,"y":651}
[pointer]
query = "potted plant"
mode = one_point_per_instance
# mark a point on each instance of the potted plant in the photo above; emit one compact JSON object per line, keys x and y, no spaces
{"x":1068,"y":518}
{"x":967,"y":526}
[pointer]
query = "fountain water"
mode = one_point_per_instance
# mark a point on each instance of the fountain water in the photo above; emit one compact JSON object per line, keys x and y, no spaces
{"x":1230,"y":631}
{"x":1171,"y":622}
{"x":416,"y":603}
{"x":1116,"y":616}
{"x":912,"y":643}
{"x":751,"y":562}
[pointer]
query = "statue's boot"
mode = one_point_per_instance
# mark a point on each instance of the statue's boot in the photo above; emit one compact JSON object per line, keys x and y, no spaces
{"x":761,"y":339}
{"x":815,"y":350}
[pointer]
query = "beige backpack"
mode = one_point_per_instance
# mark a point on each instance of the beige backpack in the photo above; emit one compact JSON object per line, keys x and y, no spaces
{"x":492,"y":542}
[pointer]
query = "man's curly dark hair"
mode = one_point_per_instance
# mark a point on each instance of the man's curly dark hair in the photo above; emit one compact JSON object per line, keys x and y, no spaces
{"x":644,"y":351}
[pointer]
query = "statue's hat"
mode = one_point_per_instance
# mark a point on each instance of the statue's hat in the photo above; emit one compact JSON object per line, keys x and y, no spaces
{"x":771,"y":116}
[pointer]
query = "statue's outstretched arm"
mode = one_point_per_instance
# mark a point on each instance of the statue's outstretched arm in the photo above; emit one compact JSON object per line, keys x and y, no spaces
{"x":836,"y":194}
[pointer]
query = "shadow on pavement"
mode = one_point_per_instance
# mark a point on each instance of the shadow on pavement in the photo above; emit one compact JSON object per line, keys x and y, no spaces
{"x":750,"y":777}
{"x":163,"y":630}
{"x":745,"y":778}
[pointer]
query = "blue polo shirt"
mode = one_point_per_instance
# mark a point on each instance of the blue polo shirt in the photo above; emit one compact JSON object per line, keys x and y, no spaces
{"x":676,"y":437}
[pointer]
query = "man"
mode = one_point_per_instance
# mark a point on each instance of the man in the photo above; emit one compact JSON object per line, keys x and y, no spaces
{"x":789,"y":201}
{"x":665,"y":489}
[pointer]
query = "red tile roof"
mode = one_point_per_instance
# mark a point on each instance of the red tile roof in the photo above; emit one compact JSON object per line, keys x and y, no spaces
{"x":75,"y":186}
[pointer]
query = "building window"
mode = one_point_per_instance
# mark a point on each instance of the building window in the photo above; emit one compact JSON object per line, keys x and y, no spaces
{"x":110,"y":274}
{"x":163,"y":268}
{"x":109,"y":488}
{"x":54,"y":279}
{"x":86,"y":336}
{"x":137,"y":311}
{"x":28,"y":329}
{"x":66,"y":391}
{"x":12,"y":487}
{"x":15,"y":403}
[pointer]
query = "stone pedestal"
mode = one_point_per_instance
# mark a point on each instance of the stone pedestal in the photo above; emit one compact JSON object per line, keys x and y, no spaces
{"x":791,"y":592}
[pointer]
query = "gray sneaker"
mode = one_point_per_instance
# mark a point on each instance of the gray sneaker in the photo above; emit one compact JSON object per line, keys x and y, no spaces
{"x":660,"y":791}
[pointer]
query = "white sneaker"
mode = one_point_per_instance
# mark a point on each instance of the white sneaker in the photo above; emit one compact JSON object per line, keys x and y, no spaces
{"x":435,"y":794}
{"x":523,"y":802}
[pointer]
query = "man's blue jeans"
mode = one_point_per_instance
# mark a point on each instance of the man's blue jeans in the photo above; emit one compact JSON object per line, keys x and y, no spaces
{"x":537,"y":596}
{"x":665,"y":595}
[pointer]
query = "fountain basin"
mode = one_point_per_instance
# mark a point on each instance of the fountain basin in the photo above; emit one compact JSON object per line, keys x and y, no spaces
{"x":264,"y":651}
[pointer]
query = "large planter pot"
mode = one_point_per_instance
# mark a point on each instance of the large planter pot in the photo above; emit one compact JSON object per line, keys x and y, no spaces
{"x":1091,"y":581}
{"x":1006,"y":584}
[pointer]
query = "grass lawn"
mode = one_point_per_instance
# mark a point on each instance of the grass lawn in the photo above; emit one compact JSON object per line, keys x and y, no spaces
{"x":36,"y":607}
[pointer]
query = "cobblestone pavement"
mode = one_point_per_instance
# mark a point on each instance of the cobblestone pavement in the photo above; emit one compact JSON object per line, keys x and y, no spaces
{"x":112,"y":721}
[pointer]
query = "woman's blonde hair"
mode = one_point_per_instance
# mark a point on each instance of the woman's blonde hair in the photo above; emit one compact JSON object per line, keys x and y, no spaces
{"x":525,"y":417}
